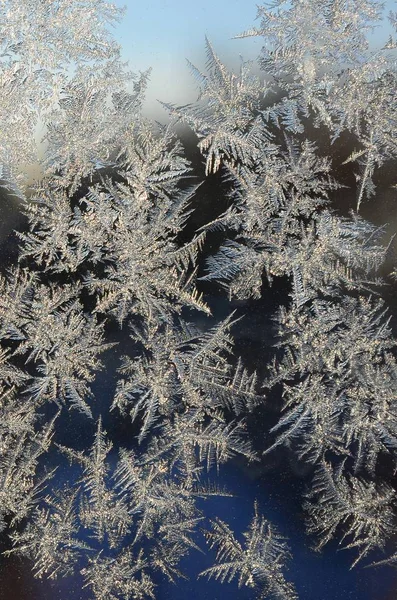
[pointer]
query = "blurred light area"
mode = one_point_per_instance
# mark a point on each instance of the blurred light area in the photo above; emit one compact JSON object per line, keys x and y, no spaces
{"x":162,"y":34}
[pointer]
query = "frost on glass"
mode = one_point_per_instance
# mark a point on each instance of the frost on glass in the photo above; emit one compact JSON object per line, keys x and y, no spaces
{"x":257,"y":564}
{"x":126,"y":274}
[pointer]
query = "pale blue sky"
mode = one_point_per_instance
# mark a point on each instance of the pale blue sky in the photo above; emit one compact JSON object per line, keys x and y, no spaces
{"x":162,"y":33}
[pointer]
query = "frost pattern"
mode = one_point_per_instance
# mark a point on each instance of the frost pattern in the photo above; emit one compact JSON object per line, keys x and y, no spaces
{"x":111,"y":245}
